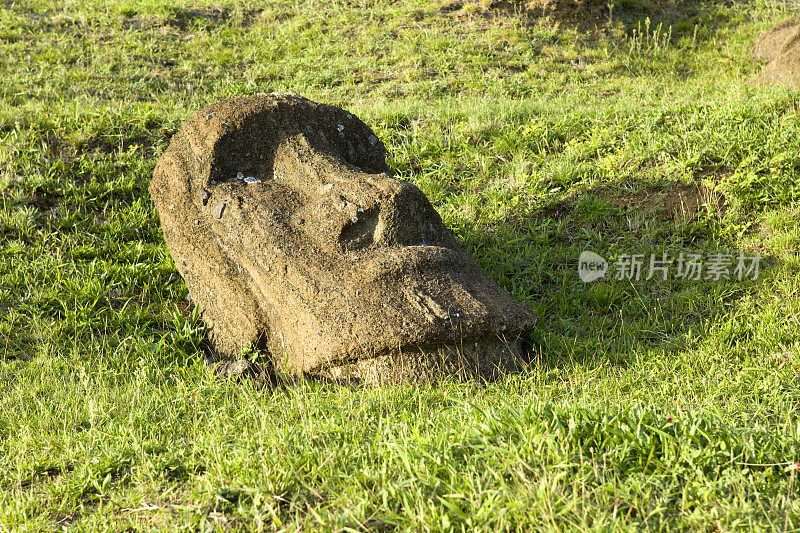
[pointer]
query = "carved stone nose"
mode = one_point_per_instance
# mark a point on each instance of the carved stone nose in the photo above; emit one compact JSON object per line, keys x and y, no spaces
{"x":400,"y":216}
{"x":354,"y":208}
{"x":407,"y":218}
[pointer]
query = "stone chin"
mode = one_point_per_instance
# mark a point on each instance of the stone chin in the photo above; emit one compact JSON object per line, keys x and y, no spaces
{"x":282,"y":218}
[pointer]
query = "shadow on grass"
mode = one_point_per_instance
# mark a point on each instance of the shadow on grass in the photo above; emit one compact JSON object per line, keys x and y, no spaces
{"x":632,"y":15}
{"x":534,"y":254}
{"x":611,"y":16}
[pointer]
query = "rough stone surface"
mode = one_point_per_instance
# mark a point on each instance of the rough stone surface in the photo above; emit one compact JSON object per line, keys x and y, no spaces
{"x":291,"y":236}
{"x":779,"y":49}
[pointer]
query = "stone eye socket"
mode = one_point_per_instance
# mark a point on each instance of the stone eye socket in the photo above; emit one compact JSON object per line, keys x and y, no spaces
{"x":359,"y":231}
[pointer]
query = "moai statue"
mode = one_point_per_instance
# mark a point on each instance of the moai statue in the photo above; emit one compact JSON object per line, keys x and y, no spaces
{"x":292,"y":237}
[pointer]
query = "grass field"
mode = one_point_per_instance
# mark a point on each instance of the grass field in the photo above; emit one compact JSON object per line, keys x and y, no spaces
{"x":631,"y":130}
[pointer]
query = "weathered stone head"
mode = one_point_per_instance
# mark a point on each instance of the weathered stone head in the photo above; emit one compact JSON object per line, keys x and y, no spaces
{"x":290,"y":234}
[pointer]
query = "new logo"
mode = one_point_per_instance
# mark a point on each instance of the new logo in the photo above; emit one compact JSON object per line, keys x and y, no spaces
{"x":591,"y":266}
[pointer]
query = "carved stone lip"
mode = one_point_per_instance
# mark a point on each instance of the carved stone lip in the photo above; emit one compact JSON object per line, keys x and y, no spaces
{"x":459,"y":346}
{"x":319,"y":255}
{"x":487,"y":357}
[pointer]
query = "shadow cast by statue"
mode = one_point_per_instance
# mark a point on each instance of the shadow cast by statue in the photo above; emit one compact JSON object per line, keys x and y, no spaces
{"x":643,"y":301}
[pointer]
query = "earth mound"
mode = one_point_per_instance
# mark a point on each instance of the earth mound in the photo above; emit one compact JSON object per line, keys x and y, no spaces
{"x":779,"y":49}
{"x":292,"y":237}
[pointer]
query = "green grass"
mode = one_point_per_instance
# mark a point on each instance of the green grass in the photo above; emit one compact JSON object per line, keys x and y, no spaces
{"x":649,"y":404}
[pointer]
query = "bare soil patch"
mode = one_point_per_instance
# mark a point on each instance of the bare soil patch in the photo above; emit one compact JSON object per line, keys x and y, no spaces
{"x":673,"y":203}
